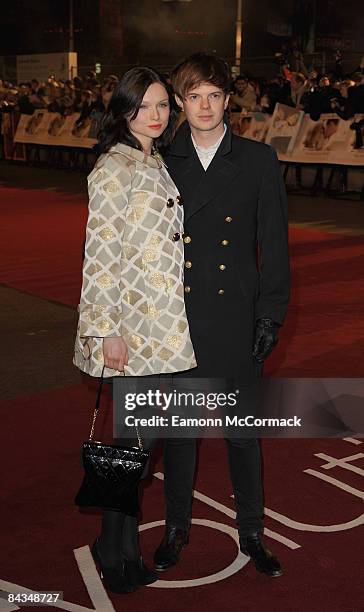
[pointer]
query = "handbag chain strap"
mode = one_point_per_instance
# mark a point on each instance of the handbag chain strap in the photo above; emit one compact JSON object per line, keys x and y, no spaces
{"x":96,"y":411}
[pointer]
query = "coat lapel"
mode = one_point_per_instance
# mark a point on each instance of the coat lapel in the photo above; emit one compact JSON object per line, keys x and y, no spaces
{"x":200,"y":187}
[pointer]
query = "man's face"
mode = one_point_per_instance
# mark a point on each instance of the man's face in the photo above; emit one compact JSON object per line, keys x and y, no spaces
{"x":324,"y":82}
{"x":241,"y":85}
{"x":204,"y":106}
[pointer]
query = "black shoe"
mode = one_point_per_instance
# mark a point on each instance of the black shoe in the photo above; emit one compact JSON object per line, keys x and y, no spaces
{"x":141,"y":574}
{"x":117,"y":578}
{"x":168,"y":551}
{"x":252,"y":546}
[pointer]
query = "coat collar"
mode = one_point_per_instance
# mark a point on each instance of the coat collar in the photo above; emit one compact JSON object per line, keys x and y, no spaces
{"x":182,"y":144}
{"x":153,"y":161}
{"x":197,"y":186}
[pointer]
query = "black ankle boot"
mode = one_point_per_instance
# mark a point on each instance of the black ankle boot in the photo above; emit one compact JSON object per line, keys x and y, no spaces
{"x":264,"y":561}
{"x":116,"y":579}
{"x":169,"y":550}
{"x":140,"y":574}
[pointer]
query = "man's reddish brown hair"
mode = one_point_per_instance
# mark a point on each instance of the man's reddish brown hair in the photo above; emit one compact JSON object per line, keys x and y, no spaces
{"x":200,"y":68}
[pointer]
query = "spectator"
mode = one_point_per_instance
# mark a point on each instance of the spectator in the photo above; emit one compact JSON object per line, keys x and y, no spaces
{"x":293,"y":91}
{"x":244,"y":96}
{"x":24,"y":104}
{"x":108,"y":88}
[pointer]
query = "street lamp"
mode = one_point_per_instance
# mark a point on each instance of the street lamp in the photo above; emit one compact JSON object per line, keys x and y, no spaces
{"x":238,"y":35}
{"x":71,"y":38}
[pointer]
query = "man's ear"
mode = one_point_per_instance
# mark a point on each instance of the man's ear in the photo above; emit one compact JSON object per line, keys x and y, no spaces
{"x":179,"y":101}
{"x":227,"y":98}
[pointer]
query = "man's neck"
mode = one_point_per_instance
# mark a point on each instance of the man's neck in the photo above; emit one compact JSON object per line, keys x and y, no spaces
{"x":207,"y":138}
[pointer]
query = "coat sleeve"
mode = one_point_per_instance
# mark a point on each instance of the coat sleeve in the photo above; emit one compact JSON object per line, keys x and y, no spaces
{"x":272,"y":235}
{"x":100,"y":308}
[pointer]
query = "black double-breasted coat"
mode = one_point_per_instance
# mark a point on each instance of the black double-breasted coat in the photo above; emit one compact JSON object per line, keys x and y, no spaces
{"x":236,"y":249}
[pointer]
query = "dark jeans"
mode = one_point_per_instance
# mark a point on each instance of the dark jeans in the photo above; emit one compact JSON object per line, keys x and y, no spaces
{"x":245,"y":473}
{"x":179,"y":470}
{"x":179,"y":456}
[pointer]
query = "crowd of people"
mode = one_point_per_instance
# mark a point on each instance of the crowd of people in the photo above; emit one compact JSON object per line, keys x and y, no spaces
{"x":294,"y":85}
{"x":81,"y":95}
{"x":308,"y":90}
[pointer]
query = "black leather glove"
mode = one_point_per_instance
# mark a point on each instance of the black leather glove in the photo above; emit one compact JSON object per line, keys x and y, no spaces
{"x":266,"y":337}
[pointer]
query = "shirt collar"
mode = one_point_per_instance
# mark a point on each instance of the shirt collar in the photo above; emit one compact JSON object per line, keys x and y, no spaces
{"x":209,"y":150}
{"x":154,"y":161}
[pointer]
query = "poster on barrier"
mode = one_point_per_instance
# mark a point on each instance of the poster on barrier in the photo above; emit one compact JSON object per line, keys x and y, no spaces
{"x":11,"y":150}
{"x":284,"y":128}
{"x":32,"y":128}
{"x":253,"y":125}
{"x":324,"y":141}
{"x":356,"y":143}
{"x":77,"y":132}
{"x":45,"y":128}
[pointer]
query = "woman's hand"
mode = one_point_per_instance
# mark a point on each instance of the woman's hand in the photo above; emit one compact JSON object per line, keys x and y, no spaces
{"x":115,"y":353}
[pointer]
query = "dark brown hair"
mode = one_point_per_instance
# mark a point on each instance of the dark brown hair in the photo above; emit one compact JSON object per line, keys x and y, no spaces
{"x":200,"y":68}
{"x":124,"y":105}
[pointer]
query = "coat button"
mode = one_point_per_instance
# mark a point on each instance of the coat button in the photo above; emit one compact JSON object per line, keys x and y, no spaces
{"x":228,"y":219}
{"x":187,"y":239}
{"x":187,"y":289}
{"x":176,"y":236}
{"x":221,"y":291}
{"x":170,"y":202}
{"x":224,"y":242}
{"x":179,"y":200}
{"x":188,"y":264}
{"x":222,"y":267}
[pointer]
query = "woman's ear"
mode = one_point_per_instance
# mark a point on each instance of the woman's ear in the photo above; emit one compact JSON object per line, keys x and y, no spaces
{"x":179,"y":102}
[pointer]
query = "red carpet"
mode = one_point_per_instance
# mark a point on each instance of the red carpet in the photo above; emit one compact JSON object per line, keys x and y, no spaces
{"x":41,"y":240}
{"x":318,"y":522}
{"x":42,"y":527}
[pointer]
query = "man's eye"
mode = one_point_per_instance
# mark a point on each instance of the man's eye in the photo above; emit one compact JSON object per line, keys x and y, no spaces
{"x":193,"y":97}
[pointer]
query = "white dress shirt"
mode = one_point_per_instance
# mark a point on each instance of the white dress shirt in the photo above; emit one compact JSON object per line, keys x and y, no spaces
{"x":206,"y":155}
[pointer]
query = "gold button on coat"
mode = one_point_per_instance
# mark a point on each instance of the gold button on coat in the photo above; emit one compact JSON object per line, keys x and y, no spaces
{"x":228,"y":219}
{"x":187,"y":239}
{"x":221,"y":291}
{"x":188,"y":264}
{"x":224,"y":242}
{"x":187,"y":289}
{"x":170,"y":202}
{"x":176,"y":236}
{"x":222,"y":267}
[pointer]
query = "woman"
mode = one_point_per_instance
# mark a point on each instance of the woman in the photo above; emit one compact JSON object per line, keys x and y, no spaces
{"x":132,"y":317}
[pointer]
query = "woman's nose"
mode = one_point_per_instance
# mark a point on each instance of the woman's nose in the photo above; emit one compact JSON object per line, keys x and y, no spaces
{"x":154,"y":113}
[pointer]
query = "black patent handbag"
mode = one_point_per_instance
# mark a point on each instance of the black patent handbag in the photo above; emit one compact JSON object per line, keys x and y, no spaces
{"x":112,"y":473}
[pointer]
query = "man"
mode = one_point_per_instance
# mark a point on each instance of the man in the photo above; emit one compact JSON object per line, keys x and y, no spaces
{"x":235,"y":205}
{"x":244,"y":96}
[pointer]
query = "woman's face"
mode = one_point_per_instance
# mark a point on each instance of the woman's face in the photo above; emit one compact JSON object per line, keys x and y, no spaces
{"x":153,"y":115}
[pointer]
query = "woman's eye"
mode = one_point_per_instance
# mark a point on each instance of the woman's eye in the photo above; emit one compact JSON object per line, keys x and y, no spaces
{"x":164,"y":104}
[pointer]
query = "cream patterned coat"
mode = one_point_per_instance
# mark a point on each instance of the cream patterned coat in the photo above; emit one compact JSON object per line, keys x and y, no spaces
{"x":133,"y":269}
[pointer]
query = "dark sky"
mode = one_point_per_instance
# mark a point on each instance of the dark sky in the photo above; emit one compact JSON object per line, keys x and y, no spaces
{"x":153,"y":28}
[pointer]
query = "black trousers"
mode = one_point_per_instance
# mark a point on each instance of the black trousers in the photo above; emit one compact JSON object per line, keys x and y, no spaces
{"x":245,"y":472}
{"x":179,"y":457}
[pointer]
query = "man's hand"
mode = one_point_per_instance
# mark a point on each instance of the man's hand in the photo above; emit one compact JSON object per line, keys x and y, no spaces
{"x":115,"y":353}
{"x":266,"y":337}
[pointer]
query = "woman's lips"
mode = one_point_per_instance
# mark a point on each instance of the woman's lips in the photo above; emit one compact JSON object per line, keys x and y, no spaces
{"x":157,"y":126}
